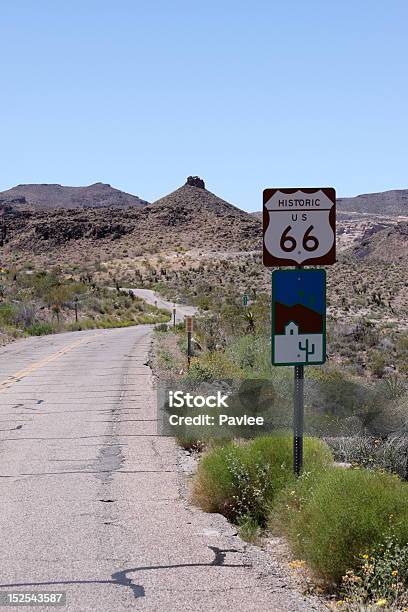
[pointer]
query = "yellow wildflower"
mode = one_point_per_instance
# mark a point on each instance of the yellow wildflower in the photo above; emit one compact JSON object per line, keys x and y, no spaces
{"x":381,"y":603}
{"x":394,"y":573}
{"x":297,"y":564}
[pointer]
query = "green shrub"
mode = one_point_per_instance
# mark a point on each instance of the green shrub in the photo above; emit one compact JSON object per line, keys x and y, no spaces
{"x":388,"y":453}
{"x":376,"y":362}
{"x":249,"y":529}
{"x":335,"y":391}
{"x":7,"y":313}
{"x":200,"y":372}
{"x":241,"y":480}
{"x":83,"y":324}
{"x":165,"y":359}
{"x":382,"y":575}
{"x":40,"y":329}
{"x":332,"y":518}
{"x":252,"y":355}
{"x":161,"y":327}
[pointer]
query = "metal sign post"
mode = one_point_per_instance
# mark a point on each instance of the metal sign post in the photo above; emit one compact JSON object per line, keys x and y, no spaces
{"x":174,"y":316}
{"x":189,"y":330}
{"x":299,"y":229}
{"x":76,"y":308}
{"x":298,"y":419}
{"x":189,"y":347}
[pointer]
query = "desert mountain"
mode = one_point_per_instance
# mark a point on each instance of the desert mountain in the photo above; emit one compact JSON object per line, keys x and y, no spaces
{"x":387,"y":244}
{"x":193,"y":203}
{"x":392,"y":203}
{"x":387,"y":203}
{"x":191,"y":238}
{"x":46,"y":196}
{"x":189,"y":218}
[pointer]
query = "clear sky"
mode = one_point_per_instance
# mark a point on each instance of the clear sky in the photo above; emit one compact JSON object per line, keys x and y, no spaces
{"x":248,"y":95}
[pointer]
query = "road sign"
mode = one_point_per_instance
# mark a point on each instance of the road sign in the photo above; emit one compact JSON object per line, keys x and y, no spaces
{"x":189,"y":323}
{"x":299,"y":226}
{"x":245,"y":300}
{"x":298,"y":317}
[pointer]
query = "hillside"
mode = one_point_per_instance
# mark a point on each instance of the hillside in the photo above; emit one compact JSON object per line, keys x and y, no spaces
{"x":388,"y":203}
{"x":190,"y":217}
{"x":387,"y":244}
{"x":393,"y":203}
{"x":192,"y":242}
{"x":99,"y":195}
{"x":205,"y":218}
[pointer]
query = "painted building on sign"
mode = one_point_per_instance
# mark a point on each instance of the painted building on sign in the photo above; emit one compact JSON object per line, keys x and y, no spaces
{"x":295,"y":347}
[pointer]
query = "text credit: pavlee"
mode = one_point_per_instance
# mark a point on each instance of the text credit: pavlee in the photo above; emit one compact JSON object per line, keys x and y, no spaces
{"x":179,"y":399}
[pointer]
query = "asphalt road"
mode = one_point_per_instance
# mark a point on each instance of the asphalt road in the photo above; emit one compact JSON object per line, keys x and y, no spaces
{"x":154,"y":298}
{"x":90,"y":496}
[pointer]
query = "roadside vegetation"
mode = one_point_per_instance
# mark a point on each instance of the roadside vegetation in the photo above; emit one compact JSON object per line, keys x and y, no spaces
{"x":42,"y":302}
{"x":348,"y":525}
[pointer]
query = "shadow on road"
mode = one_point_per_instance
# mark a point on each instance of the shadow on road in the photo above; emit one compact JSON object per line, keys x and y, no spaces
{"x":121,"y":578}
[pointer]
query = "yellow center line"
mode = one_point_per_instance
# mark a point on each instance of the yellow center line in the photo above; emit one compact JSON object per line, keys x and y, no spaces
{"x":11,"y":380}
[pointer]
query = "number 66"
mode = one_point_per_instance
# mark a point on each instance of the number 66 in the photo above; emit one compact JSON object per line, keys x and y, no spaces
{"x":288,"y":243}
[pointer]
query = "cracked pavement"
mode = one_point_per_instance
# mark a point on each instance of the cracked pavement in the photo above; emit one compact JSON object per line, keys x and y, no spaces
{"x":91,"y":499}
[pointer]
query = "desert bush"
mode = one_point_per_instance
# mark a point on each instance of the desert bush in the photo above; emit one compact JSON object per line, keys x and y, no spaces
{"x":241,"y":480}
{"x":251,"y":354}
{"x":81,"y":325}
{"x":24,"y":315}
{"x":198,"y":373}
{"x":395,"y":386}
{"x":7,"y":313}
{"x":390,"y":453}
{"x":376,"y":363}
{"x":165,"y":359}
{"x":381,"y":576}
{"x":211,"y":367}
{"x":333,"y":517}
{"x":40,"y":329}
{"x":333,"y":390}
{"x":162,"y":327}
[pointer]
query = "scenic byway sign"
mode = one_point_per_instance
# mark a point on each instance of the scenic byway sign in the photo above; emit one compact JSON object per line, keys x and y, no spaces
{"x":298,"y":317}
{"x":299,"y":226}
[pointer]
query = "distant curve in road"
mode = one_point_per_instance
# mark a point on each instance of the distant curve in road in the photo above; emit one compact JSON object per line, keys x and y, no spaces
{"x":152,"y":297}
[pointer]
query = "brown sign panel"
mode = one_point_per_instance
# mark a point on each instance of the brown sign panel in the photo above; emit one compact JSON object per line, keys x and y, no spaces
{"x":299,"y":226}
{"x":189,"y":323}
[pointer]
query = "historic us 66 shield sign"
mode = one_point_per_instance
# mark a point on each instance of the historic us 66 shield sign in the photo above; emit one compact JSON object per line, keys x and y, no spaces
{"x":299,"y":226}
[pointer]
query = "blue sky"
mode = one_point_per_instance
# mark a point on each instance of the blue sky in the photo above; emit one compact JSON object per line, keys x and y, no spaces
{"x":248,"y":95}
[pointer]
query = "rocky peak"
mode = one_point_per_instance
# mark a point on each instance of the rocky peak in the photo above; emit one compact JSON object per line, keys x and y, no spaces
{"x":195,"y":181}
